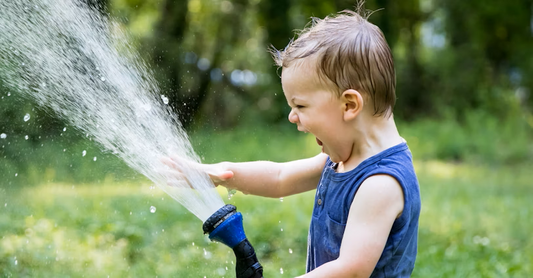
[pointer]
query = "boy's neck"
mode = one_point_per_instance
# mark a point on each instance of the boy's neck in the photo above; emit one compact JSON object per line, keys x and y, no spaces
{"x":371,"y":135}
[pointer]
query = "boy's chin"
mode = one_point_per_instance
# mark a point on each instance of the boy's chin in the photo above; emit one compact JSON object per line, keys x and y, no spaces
{"x":334,"y":158}
{"x":336,"y":161}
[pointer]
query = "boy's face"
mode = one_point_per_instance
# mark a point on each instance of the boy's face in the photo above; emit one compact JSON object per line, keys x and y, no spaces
{"x":316,"y":109}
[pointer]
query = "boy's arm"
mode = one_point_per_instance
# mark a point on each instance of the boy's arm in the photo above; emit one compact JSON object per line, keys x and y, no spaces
{"x":271,"y":179}
{"x":378,"y":202}
{"x":263,"y":178}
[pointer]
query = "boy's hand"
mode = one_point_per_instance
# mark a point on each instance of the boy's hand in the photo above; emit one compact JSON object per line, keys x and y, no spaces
{"x":178,"y":168}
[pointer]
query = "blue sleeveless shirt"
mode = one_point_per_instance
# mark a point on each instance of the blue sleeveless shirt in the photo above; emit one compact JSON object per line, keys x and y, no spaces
{"x":334,"y":196}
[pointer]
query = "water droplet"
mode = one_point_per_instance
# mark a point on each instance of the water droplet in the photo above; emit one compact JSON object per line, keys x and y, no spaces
{"x":83,"y":153}
{"x":193,"y":243}
{"x":152,"y":209}
{"x":221,"y":271}
{"x":5,"y":205}
{"x":165,"y":99}
{"x":231,"y":192}
{"x":3,"y":136}
{"x":290,"y":251}
{"x":131,"y":213}
{"x":282,"y":229}
{"x":26,"y":137}
{"x":207,"y":255}
{"x":64,"y":129}
{"x":27,"y":117}
{"x":281,"y":270}
{"x":16,"y":174}
{"x":102,"y":78}
{"x":281,"y":199}
{"x":94,"y":158}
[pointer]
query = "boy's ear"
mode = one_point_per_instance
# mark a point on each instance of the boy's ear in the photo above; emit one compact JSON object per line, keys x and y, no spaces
{"x":353,"y":103}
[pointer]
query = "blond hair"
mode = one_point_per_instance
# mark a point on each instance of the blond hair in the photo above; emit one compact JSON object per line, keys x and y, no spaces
{"x":351,"y":52}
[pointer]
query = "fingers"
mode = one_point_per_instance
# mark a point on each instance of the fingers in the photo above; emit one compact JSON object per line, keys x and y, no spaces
{"x":174,"y":178}
{"x":172,"y":174}
{"x":167,"y":161}
{"x":181,"y":166}
{"x":179,"y":183}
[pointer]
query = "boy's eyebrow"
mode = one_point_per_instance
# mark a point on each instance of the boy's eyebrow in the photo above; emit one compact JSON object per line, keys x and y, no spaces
{"x":295,"y":98}
{"x":291,"y":101}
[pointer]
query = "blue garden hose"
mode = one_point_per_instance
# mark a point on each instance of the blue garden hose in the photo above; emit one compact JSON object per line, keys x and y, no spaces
{"x":225,"y":226}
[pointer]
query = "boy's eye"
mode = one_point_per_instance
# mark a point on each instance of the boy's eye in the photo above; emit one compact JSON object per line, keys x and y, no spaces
{"x":299,"y":106}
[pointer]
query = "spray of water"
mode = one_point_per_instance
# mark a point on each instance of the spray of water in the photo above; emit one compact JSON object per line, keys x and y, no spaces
{"x":70,"y":59}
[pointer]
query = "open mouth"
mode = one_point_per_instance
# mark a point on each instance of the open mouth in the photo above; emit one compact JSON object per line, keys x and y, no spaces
{"x":318,"y":142}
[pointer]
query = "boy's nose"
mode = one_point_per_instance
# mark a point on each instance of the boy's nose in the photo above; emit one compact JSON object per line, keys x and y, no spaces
{"x":293,"y":117}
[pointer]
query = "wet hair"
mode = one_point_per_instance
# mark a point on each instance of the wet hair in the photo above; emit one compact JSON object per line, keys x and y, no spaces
{"x":350,"y":52}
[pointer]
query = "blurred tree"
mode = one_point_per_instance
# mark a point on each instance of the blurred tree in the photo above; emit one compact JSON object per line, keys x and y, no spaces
{"x":101,"y":5}
{"x":275,"y":17}
{"x":486,"y":46}
{"x":165,"y":46}
{"x":190,"y":45}
{"x":210,"y":56}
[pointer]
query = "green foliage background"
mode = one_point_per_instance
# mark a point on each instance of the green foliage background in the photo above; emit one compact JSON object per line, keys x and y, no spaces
{"x":464,"y":107}
{"x":475,"y":220}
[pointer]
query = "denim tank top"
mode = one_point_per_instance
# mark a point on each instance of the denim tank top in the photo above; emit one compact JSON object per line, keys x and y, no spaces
{"x":334,"y":196}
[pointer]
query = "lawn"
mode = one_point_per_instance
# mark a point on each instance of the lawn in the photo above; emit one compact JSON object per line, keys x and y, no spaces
{"x":475,"y":221}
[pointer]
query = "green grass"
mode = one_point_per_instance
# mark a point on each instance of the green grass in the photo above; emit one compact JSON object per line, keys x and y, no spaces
{"x":475,"y":221}
{"x":479,"y":137}
{"x":96,"y":230}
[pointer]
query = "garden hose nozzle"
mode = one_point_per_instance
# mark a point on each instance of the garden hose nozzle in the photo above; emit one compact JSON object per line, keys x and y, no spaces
{"x":225,"y":226}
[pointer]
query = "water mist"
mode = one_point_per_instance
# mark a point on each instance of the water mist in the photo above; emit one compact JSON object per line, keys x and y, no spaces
{"x":68,"y":58}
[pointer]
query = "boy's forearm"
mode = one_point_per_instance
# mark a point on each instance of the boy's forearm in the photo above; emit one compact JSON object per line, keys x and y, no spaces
{"x":258,"y":177}
{"x":271,"y":179}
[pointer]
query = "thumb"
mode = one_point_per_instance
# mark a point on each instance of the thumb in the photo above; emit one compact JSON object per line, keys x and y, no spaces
{"x":226,"y":175}
{"x":219,"y":176}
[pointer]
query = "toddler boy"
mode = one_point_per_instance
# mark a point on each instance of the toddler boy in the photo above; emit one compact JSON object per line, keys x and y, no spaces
{"x":338,"y":78}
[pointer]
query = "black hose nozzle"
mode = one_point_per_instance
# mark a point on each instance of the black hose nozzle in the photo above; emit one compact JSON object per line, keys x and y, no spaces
{"x":225,"y":226}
